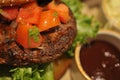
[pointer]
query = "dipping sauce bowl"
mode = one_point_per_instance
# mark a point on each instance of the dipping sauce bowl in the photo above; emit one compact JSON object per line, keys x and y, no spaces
{"x":99,"y":58}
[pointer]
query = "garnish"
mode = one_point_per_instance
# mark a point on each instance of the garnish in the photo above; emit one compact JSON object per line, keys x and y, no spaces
{"x":34,"y":33}
{"x":86,"y":26}
{"x":62,"y":9}
{"x":55,"y":14}
{"x":28,"y":36}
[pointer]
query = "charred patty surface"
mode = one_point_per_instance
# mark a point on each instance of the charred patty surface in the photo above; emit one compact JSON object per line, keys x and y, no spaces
{"x":56,"y":42}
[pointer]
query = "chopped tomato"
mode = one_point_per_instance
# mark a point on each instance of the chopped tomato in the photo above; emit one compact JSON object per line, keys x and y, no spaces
{"x":29,"y":13}
{"x":51,"y":5}
{"x":28,"y":36}
{"x":10,"y":12}
{"x":63,"y":13}
{"x":30,"y":5}
{"x":48,"y":19}
{"x":62,"y":10}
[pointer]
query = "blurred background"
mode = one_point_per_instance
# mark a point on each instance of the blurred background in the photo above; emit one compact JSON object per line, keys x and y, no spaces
{"x":105,"y":12}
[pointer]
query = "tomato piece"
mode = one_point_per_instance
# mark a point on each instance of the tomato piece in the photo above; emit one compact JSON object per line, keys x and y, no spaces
{"x":10,"y":12}
{"x":51,"y":5}
{"x":62,"y":9}
{"x":48,"y":19}
{"x":63,"y":12}
{"x":28,"y":36}
{"x":30,"y":5}
{"x":29,"y":13}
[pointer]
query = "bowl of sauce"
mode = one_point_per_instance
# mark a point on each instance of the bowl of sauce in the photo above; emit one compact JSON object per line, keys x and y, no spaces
{"x":99,"y":58}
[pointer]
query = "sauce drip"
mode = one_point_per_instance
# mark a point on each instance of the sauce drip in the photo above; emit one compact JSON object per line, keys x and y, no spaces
{"x":101,"y":60}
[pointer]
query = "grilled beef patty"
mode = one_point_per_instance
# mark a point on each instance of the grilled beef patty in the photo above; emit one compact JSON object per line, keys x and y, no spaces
{"x":56,"y":42}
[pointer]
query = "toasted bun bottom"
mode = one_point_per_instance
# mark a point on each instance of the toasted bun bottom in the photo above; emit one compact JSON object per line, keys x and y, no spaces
{"x":61,"y":66}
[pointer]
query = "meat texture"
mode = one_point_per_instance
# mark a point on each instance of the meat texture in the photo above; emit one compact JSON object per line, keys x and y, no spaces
{"x":56,"y":42}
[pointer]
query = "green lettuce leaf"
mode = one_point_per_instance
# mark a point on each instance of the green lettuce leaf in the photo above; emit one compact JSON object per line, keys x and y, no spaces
{"x":33,"y":72}
{"x":86,"y":26}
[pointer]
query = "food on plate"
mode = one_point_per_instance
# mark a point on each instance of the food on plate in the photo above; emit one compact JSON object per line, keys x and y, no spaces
{"x":48,"y":37}
{"x":35,"y":33}
{"x":32,"y":34}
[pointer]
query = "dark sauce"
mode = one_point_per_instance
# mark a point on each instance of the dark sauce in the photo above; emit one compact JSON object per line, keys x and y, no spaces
{"x":101,"y":60}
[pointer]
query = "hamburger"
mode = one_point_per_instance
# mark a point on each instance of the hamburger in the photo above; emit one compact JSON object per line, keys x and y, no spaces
{"x":34,"y":31}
